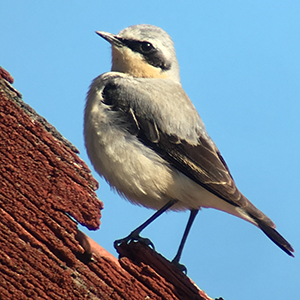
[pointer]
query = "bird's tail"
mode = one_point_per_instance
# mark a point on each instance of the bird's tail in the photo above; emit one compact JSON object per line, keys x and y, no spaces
{"x":267,"y":226}
{"x":277,"y":238}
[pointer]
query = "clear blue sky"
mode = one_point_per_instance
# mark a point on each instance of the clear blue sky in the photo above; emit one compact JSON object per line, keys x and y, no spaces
{"x":240,"y":66}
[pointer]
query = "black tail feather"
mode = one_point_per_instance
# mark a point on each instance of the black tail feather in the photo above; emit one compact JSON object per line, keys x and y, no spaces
{"x":277,"y":238}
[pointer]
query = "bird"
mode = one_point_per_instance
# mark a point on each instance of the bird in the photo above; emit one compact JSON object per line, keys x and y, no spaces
{"x":145,"y":137}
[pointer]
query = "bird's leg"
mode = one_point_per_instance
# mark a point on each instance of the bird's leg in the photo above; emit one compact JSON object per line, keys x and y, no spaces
{"x":135,"y":234}
{"x":177,"y":257}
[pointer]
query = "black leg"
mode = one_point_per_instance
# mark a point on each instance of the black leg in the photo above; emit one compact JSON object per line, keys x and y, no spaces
{"x":135,"y":234}
{"x":177,"y":257}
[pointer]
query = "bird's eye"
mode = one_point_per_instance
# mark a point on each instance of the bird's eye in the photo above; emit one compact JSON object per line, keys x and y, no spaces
{"x":146,"y":47}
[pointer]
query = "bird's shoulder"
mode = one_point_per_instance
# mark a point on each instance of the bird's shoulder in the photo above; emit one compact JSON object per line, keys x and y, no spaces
{"x":102,"y":80}
{"x":162,"y":102}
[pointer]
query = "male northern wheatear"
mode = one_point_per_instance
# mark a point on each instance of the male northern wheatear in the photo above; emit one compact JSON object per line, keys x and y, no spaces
{"x":145,"y":137}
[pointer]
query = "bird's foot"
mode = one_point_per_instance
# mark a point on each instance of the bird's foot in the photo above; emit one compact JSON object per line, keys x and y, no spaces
{"x":133,"y":236}
{"x":179,"y":266}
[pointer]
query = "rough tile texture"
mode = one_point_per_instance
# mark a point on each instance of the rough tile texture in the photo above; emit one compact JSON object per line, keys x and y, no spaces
{"x":44,"y":188}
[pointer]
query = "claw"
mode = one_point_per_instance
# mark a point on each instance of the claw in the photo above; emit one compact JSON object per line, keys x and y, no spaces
{"x":179,"y":266}
{"x":136,"y":238}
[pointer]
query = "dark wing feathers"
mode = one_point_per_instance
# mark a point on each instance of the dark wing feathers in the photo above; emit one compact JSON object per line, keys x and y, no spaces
{"x":201,"y":165}
{"x":150,"y":130}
